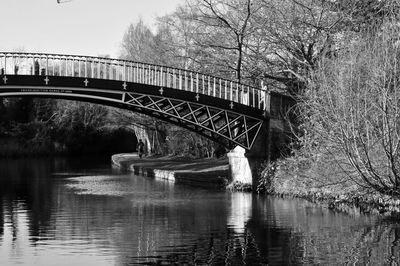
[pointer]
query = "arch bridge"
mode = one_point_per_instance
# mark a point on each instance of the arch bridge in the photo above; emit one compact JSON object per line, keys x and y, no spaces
{"x":227,"y":112}
{"x":222,"y":110}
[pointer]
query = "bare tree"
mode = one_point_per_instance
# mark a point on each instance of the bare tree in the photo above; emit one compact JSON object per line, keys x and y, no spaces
{"x":291,"y":36}
{"x":353,"y":107}
{"x":219,"y":32}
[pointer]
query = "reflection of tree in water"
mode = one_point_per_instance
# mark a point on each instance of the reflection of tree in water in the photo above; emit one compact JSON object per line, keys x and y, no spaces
{"x":309,"y":236}
{"x":227,"y":248}
{"x":242,"y":242}
{"x":317,"y":235}
{"x":24,"y":185}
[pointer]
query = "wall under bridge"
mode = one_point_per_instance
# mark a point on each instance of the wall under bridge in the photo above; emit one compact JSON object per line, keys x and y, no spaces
{"x":272,"y":142}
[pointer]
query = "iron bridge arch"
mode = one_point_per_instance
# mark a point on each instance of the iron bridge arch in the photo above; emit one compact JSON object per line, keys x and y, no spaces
{"x":222,"y":110}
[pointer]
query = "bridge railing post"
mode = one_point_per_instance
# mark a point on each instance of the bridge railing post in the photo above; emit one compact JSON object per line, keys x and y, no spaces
{"x":174,"y":79}
{"x":90,"y":68}
{"x":134,"y":71}
{"x":179,"y":80}
{"x":108,"y":69}
{"x":168,"y":77}
{"x":98,"y":68}
{"x":202,"y":84}
{"x":63,"y":67}
{"x":231,"y":92}
{"x":66,"y":67}
{"x":52,"y":66}
{"x":120,"y":68}
{"x":141,"y":75}
{"x":208,"y":84}
{"x":104,"y":72}
{"x":185,"y":82}
{"x":113,"y":70}
{"x":146,"y":80}
{"x":124,"y":76}
{"x":33,"y":66}
{"x":225,"y":90}
{"x":197,"y":82}
{"x":129,"y":72}
{"x":214,"y":88}
{"x":138,"y":73}
{"x":191,"y":81}
{"x":72,"y":67}
{"x":79,"y":68}
{"x":149,"y":75}
{"x":235,"y":92}
{"x":86,"y":68}
{"x":47,"y":65}
{"x":116,"y":70}
{"x":156,"y":76}
{"x":161,"y":77}
{"x":111,"y":73}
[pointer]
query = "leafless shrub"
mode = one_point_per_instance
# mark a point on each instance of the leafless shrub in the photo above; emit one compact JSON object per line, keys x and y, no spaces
{"x":353,"y":108}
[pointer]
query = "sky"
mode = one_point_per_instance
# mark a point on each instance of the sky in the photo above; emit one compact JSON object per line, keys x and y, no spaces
{"x":79,"y":27}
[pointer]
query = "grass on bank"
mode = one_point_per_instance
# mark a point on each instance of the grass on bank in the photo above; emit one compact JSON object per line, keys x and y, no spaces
{"x":319,"y":178}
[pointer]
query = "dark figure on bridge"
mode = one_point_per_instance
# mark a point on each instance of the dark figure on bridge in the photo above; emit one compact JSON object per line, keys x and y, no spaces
{"x":140,"y":148}
{"x":36,"y":68}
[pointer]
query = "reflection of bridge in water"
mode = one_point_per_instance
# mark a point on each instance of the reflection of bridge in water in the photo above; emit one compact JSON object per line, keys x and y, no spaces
{"x":222,"y":110}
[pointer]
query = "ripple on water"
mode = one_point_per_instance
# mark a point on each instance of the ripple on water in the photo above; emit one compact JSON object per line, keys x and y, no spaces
{"x":100,"y":185}
{"x":132,"y":187}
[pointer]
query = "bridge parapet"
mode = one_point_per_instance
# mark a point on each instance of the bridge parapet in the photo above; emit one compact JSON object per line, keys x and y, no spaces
{"x":129,"y":71}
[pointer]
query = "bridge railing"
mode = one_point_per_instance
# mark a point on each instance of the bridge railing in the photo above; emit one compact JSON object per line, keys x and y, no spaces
{"x":129,"y":71}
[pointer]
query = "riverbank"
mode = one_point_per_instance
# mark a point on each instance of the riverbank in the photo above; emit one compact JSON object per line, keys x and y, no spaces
{"x":279,"y":179}
{"x":322,"y":183}
{"x":200,"y":172}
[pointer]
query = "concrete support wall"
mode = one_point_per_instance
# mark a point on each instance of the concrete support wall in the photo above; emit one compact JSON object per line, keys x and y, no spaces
{"x":271,"y":142}
{"x":244,"y":165}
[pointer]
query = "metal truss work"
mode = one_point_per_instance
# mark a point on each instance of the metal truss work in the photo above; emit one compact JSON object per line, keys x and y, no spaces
{"x":212,"y":122}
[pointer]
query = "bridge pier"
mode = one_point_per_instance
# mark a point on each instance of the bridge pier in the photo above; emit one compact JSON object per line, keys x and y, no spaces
{"x":270,"y":144}
{"x":245,"y":165}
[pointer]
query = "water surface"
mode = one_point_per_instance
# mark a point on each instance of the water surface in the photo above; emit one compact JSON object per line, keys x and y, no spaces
{"x":83,"y":212}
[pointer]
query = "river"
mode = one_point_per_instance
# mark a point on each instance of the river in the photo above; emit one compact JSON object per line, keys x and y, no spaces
{"x":83,"y":212}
